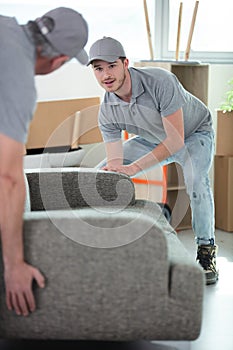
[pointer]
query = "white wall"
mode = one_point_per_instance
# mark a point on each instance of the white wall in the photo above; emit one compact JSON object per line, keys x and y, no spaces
{"x":74,"y":80}
{"x":219,"y":75}
{"x":70,"y":81}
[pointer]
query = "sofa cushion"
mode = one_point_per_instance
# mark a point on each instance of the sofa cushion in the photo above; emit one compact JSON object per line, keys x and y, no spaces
{"x":109,"y":276}
{"x":67,"y":188}
{"x":102,"y":276}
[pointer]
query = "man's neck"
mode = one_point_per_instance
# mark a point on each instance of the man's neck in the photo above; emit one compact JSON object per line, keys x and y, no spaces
{"x":125,"y":92}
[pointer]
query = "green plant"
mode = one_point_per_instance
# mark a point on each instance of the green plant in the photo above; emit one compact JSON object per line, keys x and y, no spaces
{"x":227,"y":105}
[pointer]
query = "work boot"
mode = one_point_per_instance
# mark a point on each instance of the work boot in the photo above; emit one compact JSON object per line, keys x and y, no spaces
{"x":206,"y":257}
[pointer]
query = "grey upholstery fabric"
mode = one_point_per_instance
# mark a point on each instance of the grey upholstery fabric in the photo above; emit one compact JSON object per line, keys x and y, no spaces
{"x":112,"y":273}
{"x":77,"y":187}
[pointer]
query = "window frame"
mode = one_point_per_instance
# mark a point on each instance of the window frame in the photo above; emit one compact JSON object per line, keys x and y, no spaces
{"x":161,"y":33}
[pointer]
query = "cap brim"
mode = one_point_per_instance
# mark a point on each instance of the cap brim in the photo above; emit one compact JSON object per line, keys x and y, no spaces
{"x":103,"y":58}
{"x":82,"y":57}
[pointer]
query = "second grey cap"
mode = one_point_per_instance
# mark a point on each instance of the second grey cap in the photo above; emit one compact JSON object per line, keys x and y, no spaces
{"x":106,"y":49}
{"x":67,"y":33}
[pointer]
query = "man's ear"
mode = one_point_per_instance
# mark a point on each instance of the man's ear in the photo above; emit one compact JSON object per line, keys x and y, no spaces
{"x":58,"y":61}
{"x":126,"y":63}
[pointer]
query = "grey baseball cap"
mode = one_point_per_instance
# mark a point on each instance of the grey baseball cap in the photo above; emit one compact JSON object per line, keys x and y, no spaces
{"x":67,"y":32}
{"x":106,"y":49}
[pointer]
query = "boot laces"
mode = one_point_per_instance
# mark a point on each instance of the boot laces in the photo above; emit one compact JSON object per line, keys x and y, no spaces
{"x":206,"y":257}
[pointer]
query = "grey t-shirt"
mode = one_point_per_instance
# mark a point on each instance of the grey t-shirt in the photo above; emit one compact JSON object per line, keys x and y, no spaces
{"x":17,"y":80}
{"x":156,"y":93}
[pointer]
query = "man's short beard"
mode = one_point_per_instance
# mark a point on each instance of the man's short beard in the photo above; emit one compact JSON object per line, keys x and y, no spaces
{"x":121,"y":82}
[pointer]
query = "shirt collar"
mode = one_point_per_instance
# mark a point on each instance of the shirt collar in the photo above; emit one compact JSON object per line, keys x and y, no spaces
{"x":137,"y":89}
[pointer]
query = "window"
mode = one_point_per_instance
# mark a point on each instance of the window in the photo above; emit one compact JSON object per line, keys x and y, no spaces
{"x":122,"y":19}
{"x":125,"y":20}
{"x":212,"y":36}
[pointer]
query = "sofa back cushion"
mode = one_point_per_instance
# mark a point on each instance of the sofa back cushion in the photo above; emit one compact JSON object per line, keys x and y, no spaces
{"x":65,"y":188}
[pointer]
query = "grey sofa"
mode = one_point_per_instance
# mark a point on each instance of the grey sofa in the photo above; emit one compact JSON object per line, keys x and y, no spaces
{"x":115,"y":268}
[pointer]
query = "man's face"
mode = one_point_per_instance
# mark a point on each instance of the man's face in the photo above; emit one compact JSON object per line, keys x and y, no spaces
{"x":45,"y":65}
{"x":110,"y":75}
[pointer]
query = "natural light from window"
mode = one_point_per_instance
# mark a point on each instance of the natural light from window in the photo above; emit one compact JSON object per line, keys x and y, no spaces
{"x":123,"y":20}
{"x":213,"y":26}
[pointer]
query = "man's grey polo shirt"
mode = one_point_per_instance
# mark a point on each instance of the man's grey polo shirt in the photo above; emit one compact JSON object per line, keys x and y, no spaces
{"x":156,"y":93}
{"x":17,"y":80}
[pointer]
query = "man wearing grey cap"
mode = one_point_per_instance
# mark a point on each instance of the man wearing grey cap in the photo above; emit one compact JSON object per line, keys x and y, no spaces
{"x":169,"y":124}
{"x":39,"y":47}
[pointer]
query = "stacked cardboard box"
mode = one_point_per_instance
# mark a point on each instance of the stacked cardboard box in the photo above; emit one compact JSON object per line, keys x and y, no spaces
{"x":53,"y":124}
{"x":223,"y":172}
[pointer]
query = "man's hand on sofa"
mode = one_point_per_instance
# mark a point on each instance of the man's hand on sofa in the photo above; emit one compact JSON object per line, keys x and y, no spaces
{"x":18,"y":281}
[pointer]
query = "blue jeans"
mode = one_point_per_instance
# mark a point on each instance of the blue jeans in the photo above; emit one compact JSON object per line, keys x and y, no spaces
{"x":195,"y":159}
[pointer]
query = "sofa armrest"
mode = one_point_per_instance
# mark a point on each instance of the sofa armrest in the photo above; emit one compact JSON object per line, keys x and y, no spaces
{"x":65,"y":188}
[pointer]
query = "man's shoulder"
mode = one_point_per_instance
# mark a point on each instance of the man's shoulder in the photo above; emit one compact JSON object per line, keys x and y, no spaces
{"x":149,"y":71}
{"x":10,"y":36}
{"x":7,"y":24}
{"x":150,"y":77}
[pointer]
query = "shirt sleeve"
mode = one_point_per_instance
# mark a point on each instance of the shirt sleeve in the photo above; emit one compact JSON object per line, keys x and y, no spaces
{"x":111,"y":132}
{"x":171,"y":95}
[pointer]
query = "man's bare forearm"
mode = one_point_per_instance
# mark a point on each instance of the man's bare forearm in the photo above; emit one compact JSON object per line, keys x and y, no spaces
{"x":12,"y":206}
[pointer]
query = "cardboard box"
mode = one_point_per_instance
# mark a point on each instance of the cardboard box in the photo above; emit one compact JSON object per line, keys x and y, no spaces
{"x":53,"y":124}
{"x":149,"y":185}
{"x":181,"y":215}
{"x":177,"y":198}
{"x":223,"y":192}
{"x":192,"y":75}
{"x":224,"y":139}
